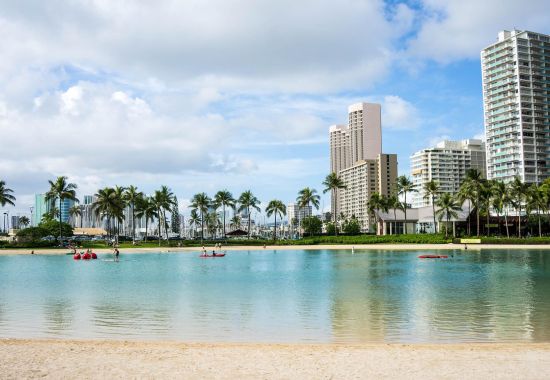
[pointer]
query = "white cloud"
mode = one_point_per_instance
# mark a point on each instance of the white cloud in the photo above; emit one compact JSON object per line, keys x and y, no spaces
{"x":397,"y":113}
{"x":458,"y":29}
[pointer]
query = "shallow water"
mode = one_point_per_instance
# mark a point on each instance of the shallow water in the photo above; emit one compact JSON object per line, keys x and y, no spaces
{"x":284,"y":296}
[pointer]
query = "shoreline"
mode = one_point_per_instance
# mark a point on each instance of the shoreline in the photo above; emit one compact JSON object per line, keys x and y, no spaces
{"x":356,"y":247}
{"x":55,"y":358}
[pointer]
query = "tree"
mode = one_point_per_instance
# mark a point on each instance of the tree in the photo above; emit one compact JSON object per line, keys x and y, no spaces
{"x":333,"y":183}
{"x":485,"y":195}
{"x":163,"y":199}
{"x":393,"y":202}
{"x":235,"y":222}
{"x":474,"y":180}
{"x":247,"y":201}
{"x":201,"y":202}
{"x":312,"y":225}
{"x":500,"y":201}
{"x":374,"y":204}
{"x":466,"y":192}
{"x":194,"y":220}
{"x":6,"y":196}
{"x":132,"y":196}
{"x":24,"y":221}
{"x":108,"y":205}
{"x":536,"y":201}
{"x":275,"y":207}
{"x":176,"y":221}
{"x":404,"y":186}
{"x":431,"y":190}
{"x":74,"y":211}
{"x":223,"y":199}
{"x":146,"y":208}
{"x":212,"y":223}
{"x":307,"y":197}
{"x":518,"y":192}
{"x":61,"y":190}
{"x":352,"y":226}
{"x":448,"y":208}
{"x":52,"y":228}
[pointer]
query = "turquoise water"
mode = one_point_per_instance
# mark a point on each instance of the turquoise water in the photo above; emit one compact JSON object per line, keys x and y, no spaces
{"x":284,"y":296}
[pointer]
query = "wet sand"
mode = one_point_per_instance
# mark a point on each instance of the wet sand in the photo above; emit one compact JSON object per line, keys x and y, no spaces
{"x":70,"y":359}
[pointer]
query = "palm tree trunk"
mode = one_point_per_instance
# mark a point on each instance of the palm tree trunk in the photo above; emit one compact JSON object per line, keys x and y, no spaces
{"x":335,"y":212}
{"x":519,"y":221}
{"x":447,"y":227}
{"x":249,"y":220}
{"x":477,"y":215}
{"x":146,"y":226}
{"x":133,"y":223}
{"x":506,"y":222}
{"x":275,"y":230}
{"x":160,"y":223}
{"x":540,"y":231}
{"x":469,"y":218}
{"x":60,"y":228}
{"x":223,"y":207}
{"x":202,"y":227}
{"x":488,"y":220}
{"x":433,"y":210}
{"x":405,"y":210}
{"x":394,"y":232}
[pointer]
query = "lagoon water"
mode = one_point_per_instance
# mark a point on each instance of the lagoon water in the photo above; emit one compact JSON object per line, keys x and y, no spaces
{"x":318,"y":296}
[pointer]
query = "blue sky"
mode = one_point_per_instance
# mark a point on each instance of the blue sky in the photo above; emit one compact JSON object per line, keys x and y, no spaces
{"x":235,"y":94}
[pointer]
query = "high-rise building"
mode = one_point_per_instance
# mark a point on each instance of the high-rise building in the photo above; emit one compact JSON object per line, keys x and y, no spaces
{"x":516,"y":102}
{"x":362,"y":180}
{"x":446,"y":164}
{"x":356,"y":157}
{"x":41,"y":207}
{"x":15,"y":222}
{"x":294,"y":212}
{"x":365,"y":130}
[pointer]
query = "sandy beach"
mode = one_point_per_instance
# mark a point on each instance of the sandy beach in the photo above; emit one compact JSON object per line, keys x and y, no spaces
{"x":355,"y":247}
{"x":120,"y":360}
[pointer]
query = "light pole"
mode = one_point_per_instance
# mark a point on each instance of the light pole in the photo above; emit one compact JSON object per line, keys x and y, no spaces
{"x":5,"y":217}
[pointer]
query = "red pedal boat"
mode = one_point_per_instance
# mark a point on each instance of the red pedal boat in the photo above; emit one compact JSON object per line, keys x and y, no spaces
{"x":433,"y":256}
{"x":216,"y":255}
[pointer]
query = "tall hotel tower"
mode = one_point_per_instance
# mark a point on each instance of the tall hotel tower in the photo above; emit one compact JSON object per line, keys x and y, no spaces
{"x":356,"y":156}
{"x":516,"y":102}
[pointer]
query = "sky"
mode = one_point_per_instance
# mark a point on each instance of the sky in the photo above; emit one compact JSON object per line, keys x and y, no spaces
{"x":232,"y":94}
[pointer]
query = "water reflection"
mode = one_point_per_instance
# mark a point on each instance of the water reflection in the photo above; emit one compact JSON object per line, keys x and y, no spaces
{"x":300,"y":296}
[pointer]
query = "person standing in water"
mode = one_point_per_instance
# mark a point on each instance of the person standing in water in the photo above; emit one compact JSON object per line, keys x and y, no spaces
{"x":116,"y":254}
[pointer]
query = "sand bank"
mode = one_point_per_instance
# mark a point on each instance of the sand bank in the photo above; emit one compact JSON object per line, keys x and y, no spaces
{"x":356,"y":247}
{"x":121,"y":360}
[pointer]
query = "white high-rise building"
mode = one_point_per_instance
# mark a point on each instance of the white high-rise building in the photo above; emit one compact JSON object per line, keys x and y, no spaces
{"x":294,"y":212}
{"x":516,"y":102}
{"x":446,"y":164}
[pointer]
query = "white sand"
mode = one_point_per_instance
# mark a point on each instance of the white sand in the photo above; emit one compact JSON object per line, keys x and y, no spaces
{"x":56,"y":359}
{"x":356,"y":247}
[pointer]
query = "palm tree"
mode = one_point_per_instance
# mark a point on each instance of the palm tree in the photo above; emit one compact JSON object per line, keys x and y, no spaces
{"x":201,"y":202}
{"x":247,"y":201}
{"x":235,"y":221}
{"x":74,"y":211}
{"x":275,"y":207}
{"x":163,"y":199}
{"x":466,"y":192}
{"x":518,"y":191}
{"x":333,"y":183}
{"x":431,"y":190}
{"x":131,"y":197}
{"x":404,"y":186}
{"x":500,"y":200}
{"x":118,"y":212}
{"x":448,"y":208}
{"x":308,"y":196}
{"x":224,"y":198}
{"x":61,"y":190}
{"x":475,"y":180}
{"x":24,"y":221}
{"x":374,"y":204}
{"x":6,"y":196}
{"x":194,"y":220}
{"x":393,"y":202}
{"x":536,"y":201}
{"x":212,"y":223}
{"x":110,"y":205}
{"x":146,"y":208}
{"x":486,"y":193}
